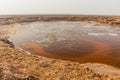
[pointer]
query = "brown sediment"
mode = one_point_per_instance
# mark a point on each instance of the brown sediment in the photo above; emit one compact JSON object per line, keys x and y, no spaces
{"x":48,"y":68}
{"x":100,"y":53}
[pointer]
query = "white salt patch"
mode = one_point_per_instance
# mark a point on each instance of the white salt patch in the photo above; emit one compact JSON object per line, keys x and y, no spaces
{"x":39,"y":41}
{"x":96,"y":34}
{"x":112,"y":34}
{"x":86,"y":26}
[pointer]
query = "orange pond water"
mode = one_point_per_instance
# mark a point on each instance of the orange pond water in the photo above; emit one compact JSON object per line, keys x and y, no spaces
{"x":72,"y":41}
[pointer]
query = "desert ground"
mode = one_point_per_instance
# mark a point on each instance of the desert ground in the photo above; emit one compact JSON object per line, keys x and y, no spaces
{"x":18,"y":64}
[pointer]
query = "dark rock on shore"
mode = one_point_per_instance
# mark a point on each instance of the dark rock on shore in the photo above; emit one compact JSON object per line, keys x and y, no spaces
{"x":7,"y":42}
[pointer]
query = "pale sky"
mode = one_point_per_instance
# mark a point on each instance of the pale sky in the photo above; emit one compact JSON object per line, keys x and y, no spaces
{"x":97,"y":7}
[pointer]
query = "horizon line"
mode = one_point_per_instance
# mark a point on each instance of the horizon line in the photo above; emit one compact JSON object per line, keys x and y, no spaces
{"x":56,"y":15}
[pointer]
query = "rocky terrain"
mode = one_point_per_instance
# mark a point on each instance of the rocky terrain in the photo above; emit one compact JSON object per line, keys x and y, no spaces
{"x":107,"y":20}
{"x":8,"y":72}
{"x":17,"y":64}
